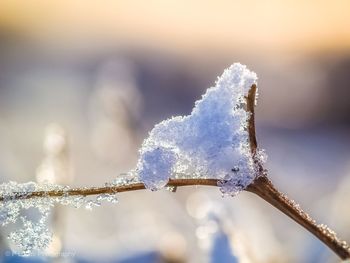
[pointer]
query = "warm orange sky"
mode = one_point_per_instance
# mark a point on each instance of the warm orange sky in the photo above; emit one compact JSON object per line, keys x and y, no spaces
{"x":313,"y":25}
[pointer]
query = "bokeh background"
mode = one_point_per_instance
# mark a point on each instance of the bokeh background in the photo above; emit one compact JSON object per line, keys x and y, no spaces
{"x":82,"y":82}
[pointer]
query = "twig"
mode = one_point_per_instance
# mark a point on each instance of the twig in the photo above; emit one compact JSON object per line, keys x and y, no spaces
{"x":262,"y":187}
{"x":108,"y":189}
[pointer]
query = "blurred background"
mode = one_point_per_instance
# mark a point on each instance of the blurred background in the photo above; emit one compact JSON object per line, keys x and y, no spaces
{"x":82,"y":82}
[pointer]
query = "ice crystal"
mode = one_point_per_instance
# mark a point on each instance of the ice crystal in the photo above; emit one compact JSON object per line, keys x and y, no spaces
{"x":91,"y":204}
{"x":211,"y":142}
{"x":112,"y":198}
{"x":326,"y":231}
{"x":34,"y":236}
{"x":125,"y":179}
{"x":171,"y":188}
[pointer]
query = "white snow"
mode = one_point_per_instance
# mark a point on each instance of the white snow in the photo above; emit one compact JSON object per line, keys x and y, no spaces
{"x":211,"y":142}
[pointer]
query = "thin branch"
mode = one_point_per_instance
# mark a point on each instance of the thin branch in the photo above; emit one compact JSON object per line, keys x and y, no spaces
{"x":262,"y":187}
{"x":108,"y":189}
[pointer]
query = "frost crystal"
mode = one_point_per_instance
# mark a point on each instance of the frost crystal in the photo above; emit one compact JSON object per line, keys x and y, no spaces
{"x":211,"y":142}
{"x":34,"y":236}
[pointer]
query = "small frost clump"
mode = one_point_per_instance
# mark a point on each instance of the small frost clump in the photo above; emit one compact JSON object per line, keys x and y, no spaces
{"x":211,"y":142}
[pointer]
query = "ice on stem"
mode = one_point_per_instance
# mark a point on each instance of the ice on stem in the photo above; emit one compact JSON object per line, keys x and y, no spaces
{"x":34,"y":235}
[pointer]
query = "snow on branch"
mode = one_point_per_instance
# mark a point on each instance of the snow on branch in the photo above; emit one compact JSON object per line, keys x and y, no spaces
{"x":215,"y":145}
{"x":211,"y":142}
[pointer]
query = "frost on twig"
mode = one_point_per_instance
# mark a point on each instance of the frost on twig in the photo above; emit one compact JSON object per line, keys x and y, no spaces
{"x":211,"y":142}
{"x":34,"y":235}
{"x":214,"y":145}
